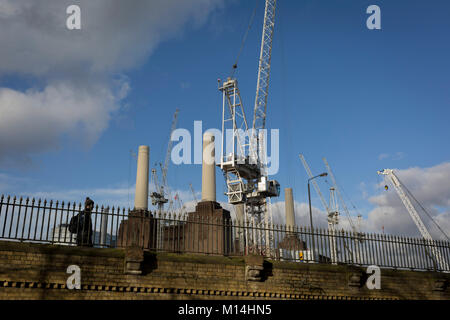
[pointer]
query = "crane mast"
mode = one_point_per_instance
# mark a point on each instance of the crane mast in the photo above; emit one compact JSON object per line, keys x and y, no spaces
{"x":330,"y":172}
{"x":415,"y":216}
{"x":333,"y":220}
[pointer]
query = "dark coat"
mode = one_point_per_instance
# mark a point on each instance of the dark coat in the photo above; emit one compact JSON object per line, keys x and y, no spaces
{"x":84,"y":230}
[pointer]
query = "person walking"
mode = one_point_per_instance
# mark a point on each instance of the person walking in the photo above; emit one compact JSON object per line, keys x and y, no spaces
{"x":81,"y":224}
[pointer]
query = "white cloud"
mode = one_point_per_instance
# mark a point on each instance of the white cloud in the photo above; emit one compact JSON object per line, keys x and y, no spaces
{"x":115,"y":35}
{"x":33,"y":121}
{"x":75,"y":73}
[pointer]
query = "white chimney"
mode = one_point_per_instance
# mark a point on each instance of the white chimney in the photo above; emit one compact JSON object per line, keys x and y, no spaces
{"x":141,"y":195}
{"x":289,"y":209}
{"x":208,"y":168}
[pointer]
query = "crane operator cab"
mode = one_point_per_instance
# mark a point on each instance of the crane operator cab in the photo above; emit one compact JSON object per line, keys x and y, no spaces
{"x":268,"y":188}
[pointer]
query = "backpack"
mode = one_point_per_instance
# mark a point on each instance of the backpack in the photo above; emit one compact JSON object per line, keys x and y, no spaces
{"x":74,"y":222}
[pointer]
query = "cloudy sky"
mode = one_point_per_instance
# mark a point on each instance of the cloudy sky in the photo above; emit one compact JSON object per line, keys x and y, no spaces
{"x":76,"y":104}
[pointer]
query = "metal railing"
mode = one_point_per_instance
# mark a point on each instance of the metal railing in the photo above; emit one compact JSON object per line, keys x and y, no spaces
{"x":30,"y":220}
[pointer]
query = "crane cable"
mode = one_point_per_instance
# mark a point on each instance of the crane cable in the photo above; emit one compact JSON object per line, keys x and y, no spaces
{"x":244,"y":40}
{"x":351,"y":203}
{"x":412,"y":196}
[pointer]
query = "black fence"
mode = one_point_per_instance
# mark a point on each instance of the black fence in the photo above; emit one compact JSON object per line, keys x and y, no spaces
{"x":30,"y":220}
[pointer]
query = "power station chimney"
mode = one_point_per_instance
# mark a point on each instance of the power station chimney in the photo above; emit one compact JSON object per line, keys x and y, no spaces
{"x":141,"y":195}
{"x":208,"y":168}
{"x":289,"y":209}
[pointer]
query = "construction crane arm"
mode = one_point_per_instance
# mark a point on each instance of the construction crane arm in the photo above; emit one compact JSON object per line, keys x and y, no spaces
{"x":407,"y":203}
{"x":415,"y":216}
{"x":169,"y":149}
{"x":314,"y":183}
{"x":193,"y":193}
{"x":262,"y":86}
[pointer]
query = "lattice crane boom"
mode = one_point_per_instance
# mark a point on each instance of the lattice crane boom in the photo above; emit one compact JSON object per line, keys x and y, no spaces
{"x":415,"y":216}
{"x":314,"y":183}
{"x":169,"y":148}
{"x":262,"y":87}
{"x":193,"y":192}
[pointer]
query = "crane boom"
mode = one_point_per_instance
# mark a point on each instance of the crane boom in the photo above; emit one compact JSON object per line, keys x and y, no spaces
{"x":415,"y":216}
{"x":169,"y":148}
{"x":314,"y":183}
{"x":193,"y":192}
{"x":262,"y":86}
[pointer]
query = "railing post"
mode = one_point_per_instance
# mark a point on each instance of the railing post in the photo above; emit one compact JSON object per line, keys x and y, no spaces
{"x":6,"y":216}
{"x":18,"y":217}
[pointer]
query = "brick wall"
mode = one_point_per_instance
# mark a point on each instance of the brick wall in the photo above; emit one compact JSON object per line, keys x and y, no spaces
{"x":35,"y":271}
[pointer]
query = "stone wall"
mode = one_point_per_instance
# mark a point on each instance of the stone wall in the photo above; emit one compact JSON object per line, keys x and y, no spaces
{"x":36,"y":271}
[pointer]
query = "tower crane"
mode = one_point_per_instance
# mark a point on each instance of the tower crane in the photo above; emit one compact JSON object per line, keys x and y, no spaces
{"x":332,"y":210}
{"x":193,"y":193}
{"x":333,"y":220}
{"x":333,"y":215}
{"x":314,"y":183}
{"x":180,"y":204}
{"x":359,"y":236}
{"x":162,"y":193}
{"x":352,"y":225}
{"x":399,"y":187}
{"x":158,"y":198}
{"x":243,"y":159}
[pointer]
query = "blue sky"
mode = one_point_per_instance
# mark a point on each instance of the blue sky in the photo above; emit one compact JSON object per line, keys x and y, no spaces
{"x":364,"y":99}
